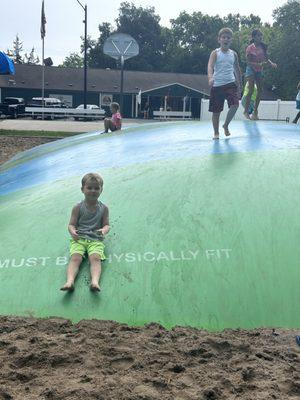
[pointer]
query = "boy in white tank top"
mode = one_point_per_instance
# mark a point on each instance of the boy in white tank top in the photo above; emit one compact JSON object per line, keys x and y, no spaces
{"x":224,"y":78}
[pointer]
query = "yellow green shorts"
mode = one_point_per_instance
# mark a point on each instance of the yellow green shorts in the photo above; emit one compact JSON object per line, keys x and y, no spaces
{"x":83,"y":246}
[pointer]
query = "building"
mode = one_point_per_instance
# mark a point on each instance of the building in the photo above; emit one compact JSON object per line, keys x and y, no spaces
{"x":161,"y":89}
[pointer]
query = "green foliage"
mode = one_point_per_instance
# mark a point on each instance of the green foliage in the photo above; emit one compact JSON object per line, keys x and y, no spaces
{"x":285,"y":48}
{"x":185,"y":46}
{"x":74,"y":60}
{"x":31,"y":58}
{"x":143,"y":25}
{"x":17,"y":50}
{"x":96,"y":58}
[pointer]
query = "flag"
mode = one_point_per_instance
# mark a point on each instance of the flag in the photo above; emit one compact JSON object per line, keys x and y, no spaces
{"x":43,"y":22}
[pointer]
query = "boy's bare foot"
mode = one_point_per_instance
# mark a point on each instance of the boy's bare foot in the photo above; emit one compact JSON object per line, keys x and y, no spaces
{"x":226,"y":130}
{"x":94,"y":287}
{"x":68,"y":288}
{"x":216,"y":136}
{"x":255,"y":116}
{"x":246,"y":115}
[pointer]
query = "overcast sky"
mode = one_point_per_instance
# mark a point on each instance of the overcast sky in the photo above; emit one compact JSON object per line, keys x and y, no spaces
{"x":64,"y":19}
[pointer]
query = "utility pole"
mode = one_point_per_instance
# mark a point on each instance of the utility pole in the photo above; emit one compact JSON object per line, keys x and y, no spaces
{"x":85,"y":54}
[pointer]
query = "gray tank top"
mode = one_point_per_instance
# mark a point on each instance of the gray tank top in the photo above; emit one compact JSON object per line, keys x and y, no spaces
{"x":89,"y":222}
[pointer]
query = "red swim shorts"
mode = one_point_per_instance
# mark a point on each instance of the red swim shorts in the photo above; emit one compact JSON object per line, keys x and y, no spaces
{"x":219,"y":94}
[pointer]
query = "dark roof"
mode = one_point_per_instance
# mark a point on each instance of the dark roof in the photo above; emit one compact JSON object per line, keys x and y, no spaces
{"x":99,"y":80}
{"x":102,"y":80}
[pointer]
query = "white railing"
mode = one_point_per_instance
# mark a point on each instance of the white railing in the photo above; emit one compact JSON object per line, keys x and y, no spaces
{"x":277,"y":110}
{"x":52,"y":112}
{"x":172,"y":114}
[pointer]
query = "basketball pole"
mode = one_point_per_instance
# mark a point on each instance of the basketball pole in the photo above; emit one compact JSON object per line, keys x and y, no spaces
{"x":122,"y":84}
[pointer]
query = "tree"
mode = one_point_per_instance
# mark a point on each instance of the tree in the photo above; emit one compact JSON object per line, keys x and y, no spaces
{"x":285,"y":49}
{"x":74,"y":60}
{"x":185,"y":46}
{"x":96,"y":58}
{"x":143,"y":25}
{"x":16,"y":53}
{"x":17,"y":50}
{"x":31,"y":58}
{"x":193,"y":38}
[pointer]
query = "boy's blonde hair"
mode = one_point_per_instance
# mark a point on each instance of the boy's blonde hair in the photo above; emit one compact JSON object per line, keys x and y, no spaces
{"x":225,"y":31}
{"x":92,"y":177}
{"x":115,"y":105}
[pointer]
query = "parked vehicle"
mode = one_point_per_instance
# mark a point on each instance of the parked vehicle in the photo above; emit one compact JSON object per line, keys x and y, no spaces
{"x":13,"y":106}
{"x":89,"y":107}
{"x":49,"y":102}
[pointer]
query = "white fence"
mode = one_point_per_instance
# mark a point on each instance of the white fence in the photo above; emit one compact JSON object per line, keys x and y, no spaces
{"x":271,"y":110}
{"x":53,"y":112}
{"x":172,"y":114}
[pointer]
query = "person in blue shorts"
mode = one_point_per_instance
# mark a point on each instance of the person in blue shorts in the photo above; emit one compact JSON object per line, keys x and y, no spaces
{"x":257,"y":57}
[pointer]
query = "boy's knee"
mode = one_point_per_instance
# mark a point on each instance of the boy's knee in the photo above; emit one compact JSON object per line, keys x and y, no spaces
{"x":94,"y":258}
{"x":76,"y":258}
{"x":250,"y":86}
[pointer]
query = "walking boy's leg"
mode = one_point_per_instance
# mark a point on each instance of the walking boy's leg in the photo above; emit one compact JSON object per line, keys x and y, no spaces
{"x":215,"y":122}
{"x":95,"y":268}
{"x":296,"y":118}
{"x":248,"y":97}
{"x":257,"y":100}
{"x":231,"y":112}
{"x":72,"y":271}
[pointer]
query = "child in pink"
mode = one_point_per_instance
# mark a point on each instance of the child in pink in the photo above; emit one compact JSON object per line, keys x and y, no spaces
{"x":115,"y":122}
{"x":257,"y":58}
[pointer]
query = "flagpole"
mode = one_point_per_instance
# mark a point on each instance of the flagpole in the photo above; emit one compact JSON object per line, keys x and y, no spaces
{"x":43,"y":32}
{"x":43,"y":76}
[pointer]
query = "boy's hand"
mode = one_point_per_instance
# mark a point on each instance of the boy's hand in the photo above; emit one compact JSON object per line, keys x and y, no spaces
{"x":240,"y":90}
{"x":74,"y":235}
{"x":273,"y":65}
{"x":101,"y":232}
{"x":210,"y":81}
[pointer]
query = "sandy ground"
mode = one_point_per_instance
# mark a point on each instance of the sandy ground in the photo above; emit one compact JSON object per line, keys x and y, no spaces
{"x":53,"y":359}
{"x":9,"y":146}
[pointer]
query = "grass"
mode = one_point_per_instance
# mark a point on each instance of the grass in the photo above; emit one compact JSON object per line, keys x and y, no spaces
{"x":55,"y":134}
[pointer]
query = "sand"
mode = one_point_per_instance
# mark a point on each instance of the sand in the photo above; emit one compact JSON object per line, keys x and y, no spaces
{"x":54,"y":359}
{"x":11,"y":145}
